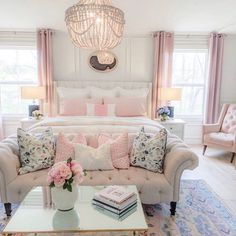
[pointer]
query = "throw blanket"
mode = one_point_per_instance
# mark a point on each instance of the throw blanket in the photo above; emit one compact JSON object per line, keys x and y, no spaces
{"x":97,"y":124}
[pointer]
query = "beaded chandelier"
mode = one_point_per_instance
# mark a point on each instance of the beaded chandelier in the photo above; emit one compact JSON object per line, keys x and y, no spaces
{"x":95,"y":24}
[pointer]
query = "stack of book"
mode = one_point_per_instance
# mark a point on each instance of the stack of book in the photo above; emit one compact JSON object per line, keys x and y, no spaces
{"x":115,"y":201}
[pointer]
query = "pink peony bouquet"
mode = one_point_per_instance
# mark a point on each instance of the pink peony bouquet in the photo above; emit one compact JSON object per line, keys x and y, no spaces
{"x":64,"y":174}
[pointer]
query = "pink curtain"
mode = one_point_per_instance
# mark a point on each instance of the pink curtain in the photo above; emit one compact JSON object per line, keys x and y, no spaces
{"x":45,"y":67}
{"x":163,"y":55}
{"x":216,"y":48}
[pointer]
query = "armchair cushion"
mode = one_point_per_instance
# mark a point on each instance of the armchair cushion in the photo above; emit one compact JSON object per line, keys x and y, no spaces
{"x":229,"y":123}
{"x":220,"y":138}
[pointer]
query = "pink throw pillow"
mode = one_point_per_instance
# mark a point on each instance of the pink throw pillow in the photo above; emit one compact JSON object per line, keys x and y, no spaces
{"x":119,"y":149}
{"x":65,"y":148}
{"x":128,"y":107}
{"x":76,"y":106}
{"x":100,"y":110}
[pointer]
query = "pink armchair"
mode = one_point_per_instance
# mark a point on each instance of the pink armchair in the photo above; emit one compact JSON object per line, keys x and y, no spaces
{"x":222,"y":134}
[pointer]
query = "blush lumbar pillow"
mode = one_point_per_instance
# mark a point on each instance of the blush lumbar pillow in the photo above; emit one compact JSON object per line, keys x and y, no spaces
{"x":65,"y":148}
{"x":119,"y":149}
{"x":101,"y":109}
{"x":94,"y":158}
{"x":36,"y":151}
{"x":149,"y":152}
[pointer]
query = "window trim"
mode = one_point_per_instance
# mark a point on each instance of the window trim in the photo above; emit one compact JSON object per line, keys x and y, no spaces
{"x":197,"y":117}
{"x":17,"y":83}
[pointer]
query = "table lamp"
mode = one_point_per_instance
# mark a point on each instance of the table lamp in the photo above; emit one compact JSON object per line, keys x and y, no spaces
{"x":170,"y":94}
{"x":33,"y":92}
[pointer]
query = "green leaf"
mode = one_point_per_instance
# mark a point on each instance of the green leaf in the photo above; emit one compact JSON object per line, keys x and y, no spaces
{"x":70,"y":181}
{"x":51,"y":185}
{"x":65,"y":185}
{"x":69,"y":160}
{"x":69,"y":187}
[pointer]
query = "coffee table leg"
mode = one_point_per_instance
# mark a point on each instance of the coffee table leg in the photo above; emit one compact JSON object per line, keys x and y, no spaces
{"x":144,"y":233}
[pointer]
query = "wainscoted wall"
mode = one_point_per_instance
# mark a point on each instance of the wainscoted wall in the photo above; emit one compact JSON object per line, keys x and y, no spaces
{"x":228,"y":89}
{"x":135,"y":56}
{"x":135,"y":60}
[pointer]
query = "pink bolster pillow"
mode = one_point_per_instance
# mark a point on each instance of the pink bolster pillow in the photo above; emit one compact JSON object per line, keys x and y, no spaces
{"x":65,"y":148}
{"x":119,"y":149}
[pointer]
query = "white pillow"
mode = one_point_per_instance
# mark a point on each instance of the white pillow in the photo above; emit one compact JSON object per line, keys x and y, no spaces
{"x":142,"y":92}
{"x":101,"y":93}
{"x":73,"y":92}
{"x":94,"y":158}
{"x":101,"y":109}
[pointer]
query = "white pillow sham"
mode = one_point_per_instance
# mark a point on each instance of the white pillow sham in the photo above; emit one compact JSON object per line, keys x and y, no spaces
{"x":142,"y":92}
{"x":101,"y":93}
{"x":94,"y":158}
{"x":67,"y":93}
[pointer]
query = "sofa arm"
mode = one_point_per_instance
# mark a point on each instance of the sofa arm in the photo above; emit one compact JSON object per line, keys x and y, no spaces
{"x":210,"y":128}
{"x":179,"y":158}
{"x":9,"y":163}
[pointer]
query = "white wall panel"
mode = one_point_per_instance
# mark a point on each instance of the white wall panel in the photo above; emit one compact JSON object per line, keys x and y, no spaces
{"x":63,"y":57}
{"x":228,"y":89}
{"x":135,"y":60}
{"x":141,"y":59}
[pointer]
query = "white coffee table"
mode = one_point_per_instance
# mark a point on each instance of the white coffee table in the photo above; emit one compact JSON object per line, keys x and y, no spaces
{"x":36,"y":215}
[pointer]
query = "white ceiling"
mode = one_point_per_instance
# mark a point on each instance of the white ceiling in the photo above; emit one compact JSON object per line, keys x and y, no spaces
{"x":142,"y":16}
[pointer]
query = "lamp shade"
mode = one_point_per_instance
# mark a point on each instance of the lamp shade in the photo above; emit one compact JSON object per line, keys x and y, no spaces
{"x":170,"y":94}
{"x":32,"y":92}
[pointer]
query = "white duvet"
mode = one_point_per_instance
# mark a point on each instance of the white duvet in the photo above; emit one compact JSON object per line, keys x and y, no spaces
{"x":96,"y":125}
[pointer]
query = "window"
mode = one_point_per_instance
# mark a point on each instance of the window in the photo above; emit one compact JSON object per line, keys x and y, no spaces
{"x":189,"y":73}
{"x":18,"y":67}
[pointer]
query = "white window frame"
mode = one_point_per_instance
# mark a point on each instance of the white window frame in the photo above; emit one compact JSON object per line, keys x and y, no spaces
{"x":20,"y":47}
{"x":193,"y":118}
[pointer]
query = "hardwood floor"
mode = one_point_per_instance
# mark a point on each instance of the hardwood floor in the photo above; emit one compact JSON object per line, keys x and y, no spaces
{"x":215,"y":168}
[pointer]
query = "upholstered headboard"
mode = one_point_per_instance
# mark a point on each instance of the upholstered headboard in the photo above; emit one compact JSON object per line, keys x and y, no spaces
{"x":104,"y":85}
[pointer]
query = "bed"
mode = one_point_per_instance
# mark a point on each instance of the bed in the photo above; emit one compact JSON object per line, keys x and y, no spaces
{"x":153,"y":187}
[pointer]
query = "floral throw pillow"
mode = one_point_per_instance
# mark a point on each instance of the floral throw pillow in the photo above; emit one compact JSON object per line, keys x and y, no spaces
{"x":36,"y":151}
{"x":149,"y":152}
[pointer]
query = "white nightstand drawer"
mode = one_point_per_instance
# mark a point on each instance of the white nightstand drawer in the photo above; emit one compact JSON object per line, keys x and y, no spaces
{"x":26,"y":123}
{"x":175,"y":126}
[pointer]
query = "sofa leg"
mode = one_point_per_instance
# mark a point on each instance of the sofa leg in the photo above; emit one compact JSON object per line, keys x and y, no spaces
{"x":7,"y":209}
{"x":173,"y":208}
{"x":232,"y":158}
{"x":204,"y":150}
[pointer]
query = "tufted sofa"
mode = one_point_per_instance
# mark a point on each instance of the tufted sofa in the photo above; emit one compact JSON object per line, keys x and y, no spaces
{"x":153,"y":187}
{"x":222,"y":134}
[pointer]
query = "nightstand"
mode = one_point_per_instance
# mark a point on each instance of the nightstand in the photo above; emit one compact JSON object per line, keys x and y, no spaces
{"x":175,"y":126}
{"x":26,"y":123}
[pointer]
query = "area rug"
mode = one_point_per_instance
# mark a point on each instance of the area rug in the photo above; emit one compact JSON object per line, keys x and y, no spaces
{"x":200,"y":212}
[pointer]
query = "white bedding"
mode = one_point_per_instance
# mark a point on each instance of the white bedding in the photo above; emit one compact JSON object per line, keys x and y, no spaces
{"x":97,"y":124}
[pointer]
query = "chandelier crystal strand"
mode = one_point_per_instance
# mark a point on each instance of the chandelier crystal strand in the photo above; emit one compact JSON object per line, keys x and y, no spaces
{"x":95,"y":24}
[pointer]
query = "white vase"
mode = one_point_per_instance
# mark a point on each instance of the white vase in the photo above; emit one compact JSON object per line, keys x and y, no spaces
{"x":63,"y":199}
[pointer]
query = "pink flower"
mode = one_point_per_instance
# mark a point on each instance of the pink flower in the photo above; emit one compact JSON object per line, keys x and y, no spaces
{"x":59,"y":182}
{"x":76,"y":168}
{"x":78,"y":179}
{"x":49,"y":179}
{"x":63,"y":171}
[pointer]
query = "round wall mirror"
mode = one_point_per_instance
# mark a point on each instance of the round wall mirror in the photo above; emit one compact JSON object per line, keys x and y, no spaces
{"x":103,"y":61}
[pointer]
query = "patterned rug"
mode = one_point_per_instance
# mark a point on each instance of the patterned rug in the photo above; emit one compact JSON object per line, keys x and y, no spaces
{"x":199,"y":212}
